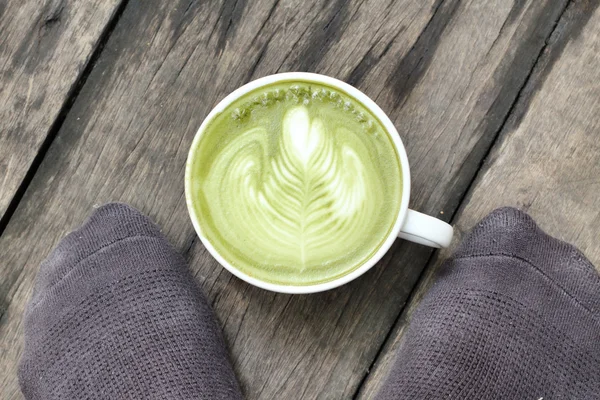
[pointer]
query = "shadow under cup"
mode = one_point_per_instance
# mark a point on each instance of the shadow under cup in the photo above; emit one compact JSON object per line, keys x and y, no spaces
{"x":294,"y":183}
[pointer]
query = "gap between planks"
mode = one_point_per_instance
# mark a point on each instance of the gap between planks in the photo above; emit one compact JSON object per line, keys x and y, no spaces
{"x":62,"y":114}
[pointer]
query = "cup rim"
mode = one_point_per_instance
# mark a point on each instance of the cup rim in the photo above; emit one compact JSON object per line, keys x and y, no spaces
{"x":369,"y":104}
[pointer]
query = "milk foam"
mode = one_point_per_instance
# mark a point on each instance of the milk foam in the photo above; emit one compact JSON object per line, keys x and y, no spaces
{"x":296,"y":188}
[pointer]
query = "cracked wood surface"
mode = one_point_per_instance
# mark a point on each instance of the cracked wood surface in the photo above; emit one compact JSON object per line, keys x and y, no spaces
{"x":446,"y":72}
{"x":44,"y":48}
{"x":546,"y":161}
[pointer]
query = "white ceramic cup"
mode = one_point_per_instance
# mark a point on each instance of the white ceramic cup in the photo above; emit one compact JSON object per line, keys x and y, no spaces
{"x":411,"y":225}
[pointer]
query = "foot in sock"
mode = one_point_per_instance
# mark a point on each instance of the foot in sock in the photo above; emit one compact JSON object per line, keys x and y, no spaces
{"x":116,"y":314}
{"x":514,"y":314}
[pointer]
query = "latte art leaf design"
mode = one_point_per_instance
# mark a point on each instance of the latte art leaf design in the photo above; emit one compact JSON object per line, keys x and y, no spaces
{"x":301,"y":199}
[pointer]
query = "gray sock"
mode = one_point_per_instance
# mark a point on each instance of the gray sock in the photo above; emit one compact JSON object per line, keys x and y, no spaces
{"x":115,"y":314}
{"x":514,"y":314}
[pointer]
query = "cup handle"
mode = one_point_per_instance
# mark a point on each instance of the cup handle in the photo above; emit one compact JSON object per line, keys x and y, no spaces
{"x":427,"y":230}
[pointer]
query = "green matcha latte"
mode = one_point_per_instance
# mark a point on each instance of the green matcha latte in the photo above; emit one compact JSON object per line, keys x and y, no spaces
{"x":295,"y":183}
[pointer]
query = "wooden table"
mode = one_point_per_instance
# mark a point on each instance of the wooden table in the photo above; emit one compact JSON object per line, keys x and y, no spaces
{"x":498,"y":103}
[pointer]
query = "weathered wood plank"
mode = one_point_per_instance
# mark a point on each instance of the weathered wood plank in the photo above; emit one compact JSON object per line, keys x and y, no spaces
{"x":44,"y":48}
{"x":547,"y":160}
{"x":446,"y":72}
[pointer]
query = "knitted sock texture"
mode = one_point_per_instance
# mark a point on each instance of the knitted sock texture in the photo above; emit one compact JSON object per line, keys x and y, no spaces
{"x":116,"y":314}
{"x":514,"y":314}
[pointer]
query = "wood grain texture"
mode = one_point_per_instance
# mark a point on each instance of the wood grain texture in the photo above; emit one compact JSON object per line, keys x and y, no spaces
{"x":44,"y":48}
{"x":546,"y":161}
{"x":446,"y":72}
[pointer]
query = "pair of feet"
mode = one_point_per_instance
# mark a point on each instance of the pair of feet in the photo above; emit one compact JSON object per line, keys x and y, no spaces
{"x":116,"y":314}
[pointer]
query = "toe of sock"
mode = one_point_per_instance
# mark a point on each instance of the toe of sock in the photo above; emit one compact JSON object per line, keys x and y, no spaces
{"x":513,"y":233}
{"x":108,"y":224}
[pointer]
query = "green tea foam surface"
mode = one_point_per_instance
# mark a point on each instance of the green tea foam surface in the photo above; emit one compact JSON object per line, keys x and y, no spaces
{"x":296,"y":183}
